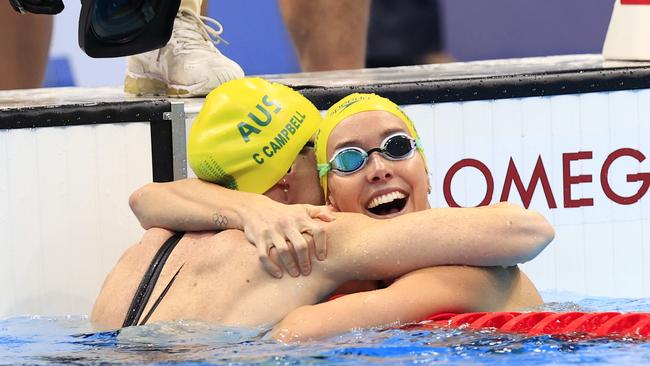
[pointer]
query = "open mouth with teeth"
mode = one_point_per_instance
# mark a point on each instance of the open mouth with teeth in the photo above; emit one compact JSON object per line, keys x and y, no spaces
{"x":387,"y":204}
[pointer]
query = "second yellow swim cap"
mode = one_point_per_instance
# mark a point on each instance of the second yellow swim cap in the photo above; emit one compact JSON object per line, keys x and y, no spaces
{"x":248,"y":133}
{"x":346,"y":107}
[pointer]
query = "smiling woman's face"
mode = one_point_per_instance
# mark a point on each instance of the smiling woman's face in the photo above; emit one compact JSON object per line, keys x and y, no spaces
{"x":383,"y":188}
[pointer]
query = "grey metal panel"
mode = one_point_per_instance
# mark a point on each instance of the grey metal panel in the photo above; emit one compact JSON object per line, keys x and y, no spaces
{"x":179,"y":148}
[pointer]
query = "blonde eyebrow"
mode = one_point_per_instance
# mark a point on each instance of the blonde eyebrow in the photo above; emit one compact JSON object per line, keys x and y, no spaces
{"x":346,"y":143}
{"x":355,"y":142}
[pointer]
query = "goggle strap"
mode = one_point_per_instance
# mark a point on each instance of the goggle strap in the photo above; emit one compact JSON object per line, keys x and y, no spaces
{"x":323,"y":168}
{"x":418,"y":144}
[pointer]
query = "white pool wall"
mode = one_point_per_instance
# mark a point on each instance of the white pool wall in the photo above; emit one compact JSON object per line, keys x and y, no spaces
{"x":64,"y":214}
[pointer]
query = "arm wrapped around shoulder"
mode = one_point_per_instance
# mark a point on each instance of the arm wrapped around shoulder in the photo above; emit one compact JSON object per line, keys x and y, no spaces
{"x":187,"y":205}
{"x":498,"y":235}
{"x":526,"y":232}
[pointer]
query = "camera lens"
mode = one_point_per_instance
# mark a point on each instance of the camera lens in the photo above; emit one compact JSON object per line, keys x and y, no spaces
{"x":120,"y":21}
{"x":115,"y":28}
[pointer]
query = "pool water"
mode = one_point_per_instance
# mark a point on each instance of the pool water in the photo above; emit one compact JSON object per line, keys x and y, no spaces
{"x":69,"y":340}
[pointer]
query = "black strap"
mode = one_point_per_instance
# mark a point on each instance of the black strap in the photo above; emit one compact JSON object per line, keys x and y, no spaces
{"x":143,"y":293}
{"x":160,"y":297}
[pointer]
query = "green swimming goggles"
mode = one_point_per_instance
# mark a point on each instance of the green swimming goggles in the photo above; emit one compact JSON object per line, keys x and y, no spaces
{"x":348,"y":160}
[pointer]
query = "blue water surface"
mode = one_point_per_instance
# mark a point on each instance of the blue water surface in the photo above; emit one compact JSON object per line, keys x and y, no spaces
{"x":70,"y":340}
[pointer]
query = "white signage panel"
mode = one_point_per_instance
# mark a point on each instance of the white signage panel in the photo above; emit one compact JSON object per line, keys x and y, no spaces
{"x":579,"y":159}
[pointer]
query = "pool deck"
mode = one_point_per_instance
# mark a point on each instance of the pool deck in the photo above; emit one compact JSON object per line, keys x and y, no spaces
{"x":463,"y":81}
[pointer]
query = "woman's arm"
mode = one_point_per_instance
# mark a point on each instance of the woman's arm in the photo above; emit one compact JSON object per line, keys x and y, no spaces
{"x":190,"y":205}
{"x":409,"y":299}
{"x":195,"y":205}
{"x":360,"y":247}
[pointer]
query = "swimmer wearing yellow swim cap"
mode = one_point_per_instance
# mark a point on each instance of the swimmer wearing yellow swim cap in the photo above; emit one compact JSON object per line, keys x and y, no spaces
{"x":346,"y":107}
{"x":248,"y":133}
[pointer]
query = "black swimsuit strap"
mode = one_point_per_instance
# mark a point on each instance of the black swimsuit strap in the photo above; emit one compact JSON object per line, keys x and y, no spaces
{"x":160,"y":297}
{"x":143,"y":293}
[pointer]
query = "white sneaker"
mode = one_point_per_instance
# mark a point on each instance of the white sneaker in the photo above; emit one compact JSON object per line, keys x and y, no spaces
{"x":188,"y":66}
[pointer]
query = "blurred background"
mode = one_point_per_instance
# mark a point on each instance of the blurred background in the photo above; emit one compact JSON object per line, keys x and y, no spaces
{"x":463,"y":30}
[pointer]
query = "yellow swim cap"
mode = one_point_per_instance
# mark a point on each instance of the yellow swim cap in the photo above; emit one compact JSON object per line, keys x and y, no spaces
{"x":248,"y":133}
{"x":346,"y":107}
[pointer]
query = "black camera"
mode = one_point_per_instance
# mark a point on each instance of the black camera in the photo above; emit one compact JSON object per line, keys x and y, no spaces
{"x":115,"y":28}
{"x":37,"y":6}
